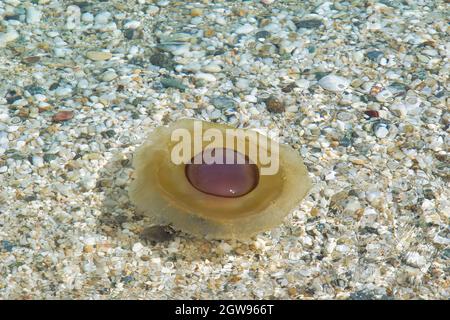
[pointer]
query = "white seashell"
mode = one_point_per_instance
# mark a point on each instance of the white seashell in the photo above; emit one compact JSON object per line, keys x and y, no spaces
{"x":334,"y":83}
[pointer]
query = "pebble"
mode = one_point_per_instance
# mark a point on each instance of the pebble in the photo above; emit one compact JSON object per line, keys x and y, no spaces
{"x":223,"y":102}
{"x":102,"y":18}
{"x":212,"y":68}
{"x":73,"y":17}
{"x":381,"y":132}
{"x":63,"y":91}
{"x":245,"y":29}
{"x":7,"y":37}
{"x":157,"y":234}
{"x":133,"y":24}
{"x":262,"y":35}
{"x":372,"y":113}
{"x":38,"y":161}
{"x":375,"y":55}
{"x":334,"y":83}
{"x":87,"y":17}
{"x":309,"y":24}
{"x":173,"y":83}
{"x":274,"y":104}
{"x":33,"y":15}
{"x":109,"y":75}
{"x":161,"y":60}
{"x":99,"y":55}
{"x":205,"y":76}
{"x":63,"y":116}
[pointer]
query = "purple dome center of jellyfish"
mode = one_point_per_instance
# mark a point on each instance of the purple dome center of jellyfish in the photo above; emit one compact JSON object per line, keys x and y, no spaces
{"x":232,"y":177}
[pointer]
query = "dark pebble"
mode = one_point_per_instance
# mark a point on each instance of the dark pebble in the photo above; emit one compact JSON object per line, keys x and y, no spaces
{"x":429,"y":194}
{"x":162,"y":60}
{"x":30,"y":198}
{"x":131,"y":34}
{"x":108,"y":133}
{"x":274,"y":104}
{"x":372,"y":113}
{"x":48,"y":157}
{"x":440,"y":94}
{"x":157,"y":234}
{"x":319,"y":75}
{"x":84,"y":6}
{"x":127,"y":279}
{"x":362,"y":295}
{"x":369,"y":230}
{"x":218,"y":52}
{"x":446,"y":254}
{"x":53,"y":86}
{"x":137,"y":61}
{"x":32,"y":89}
{"x":309,"y":24}
{"x":6,"y":245}
{"x":262,"y":35}
{"x":223,"y":102}
{"x":11,"y":99}
{"x":173,"y":83}
{"x":374,"y":55}
{"x":289,"y":87}
{"x":62,"y":116}
{"x":397,"y":89}
{"x":31,"y":59}
{"x":12,"y":17}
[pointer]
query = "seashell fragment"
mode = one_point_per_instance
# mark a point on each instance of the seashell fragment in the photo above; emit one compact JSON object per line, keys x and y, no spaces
{"x":334,"y":83}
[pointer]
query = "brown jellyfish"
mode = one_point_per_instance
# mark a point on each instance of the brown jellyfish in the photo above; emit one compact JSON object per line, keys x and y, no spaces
{"x":212,"y":180}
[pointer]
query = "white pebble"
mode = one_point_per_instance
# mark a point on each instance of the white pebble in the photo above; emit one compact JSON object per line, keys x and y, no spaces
{"x":382,"y":132}
{"x":205,"y":76}
{"x":251,"y":98}
{"x":109,"y":75}
{"x":63,"y":91}
{"x":87,"y":17}
{"x":73,"y":17}
{"x":8,"y":36}
{"x":37,"y":161}
{"x":245,"y":29}
{"x":212,"y":67}
{"x":134,"y":24}
{"x":102,"y":18}
{"x":33,"y":15}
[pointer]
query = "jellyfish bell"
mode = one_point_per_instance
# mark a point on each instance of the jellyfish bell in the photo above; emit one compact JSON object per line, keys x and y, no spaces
{"x":212,"y":180}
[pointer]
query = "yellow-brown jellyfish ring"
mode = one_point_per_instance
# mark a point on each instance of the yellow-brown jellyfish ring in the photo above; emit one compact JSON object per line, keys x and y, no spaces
{"x":176,"y":183}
